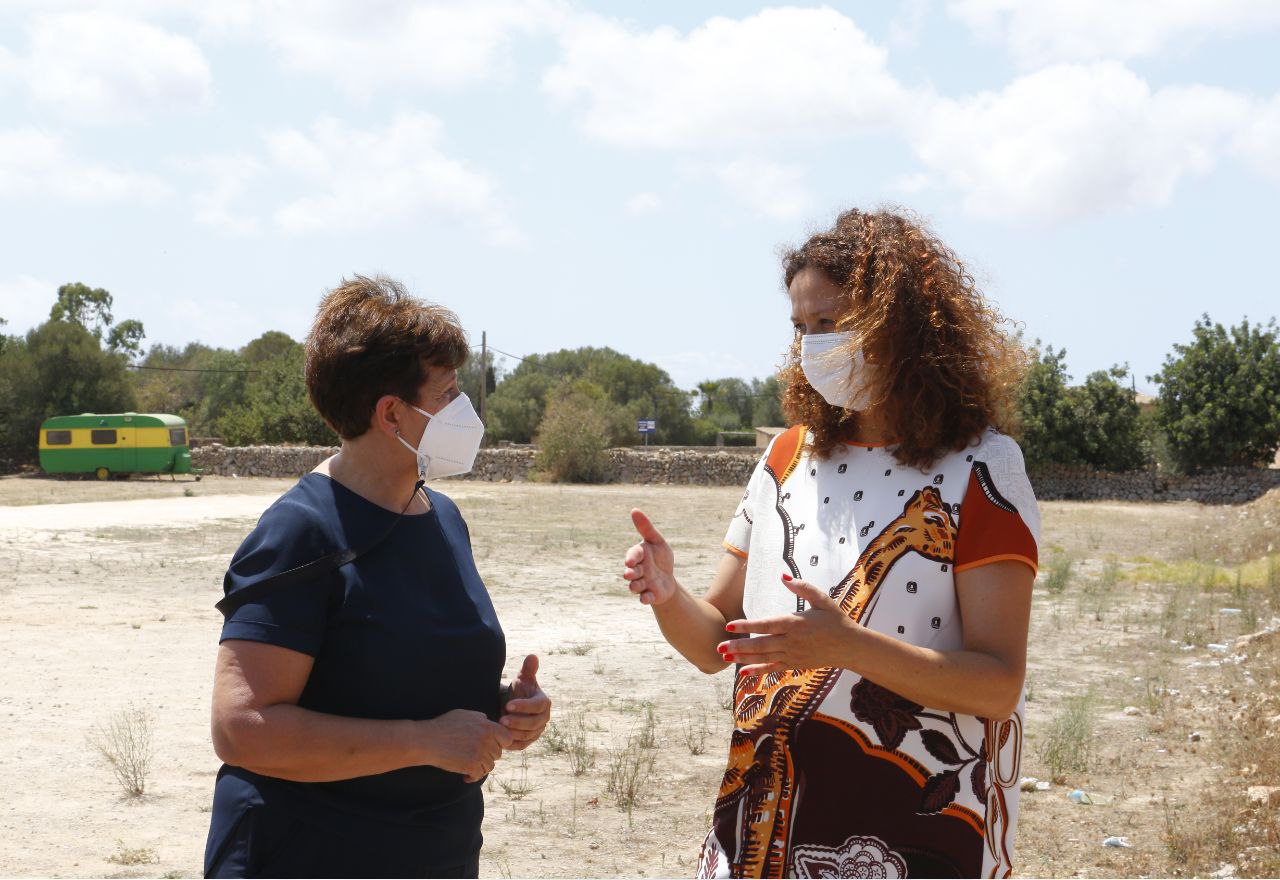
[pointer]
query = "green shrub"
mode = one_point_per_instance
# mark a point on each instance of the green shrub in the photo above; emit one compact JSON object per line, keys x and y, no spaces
{"x":577,"y":430}
{"x":1220,"y":396}
{"x":1097,"y":424}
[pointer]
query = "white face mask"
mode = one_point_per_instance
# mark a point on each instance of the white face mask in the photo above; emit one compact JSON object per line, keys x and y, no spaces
{"x":824,"y":358}
{"x":449,"y":442}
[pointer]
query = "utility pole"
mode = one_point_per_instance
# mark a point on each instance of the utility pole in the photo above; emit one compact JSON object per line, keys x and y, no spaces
{"x":484,"y":372}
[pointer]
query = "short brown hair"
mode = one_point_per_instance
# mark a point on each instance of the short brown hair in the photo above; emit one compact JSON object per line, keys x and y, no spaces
{"x":371,"y":338}
{"x":951,"y":367}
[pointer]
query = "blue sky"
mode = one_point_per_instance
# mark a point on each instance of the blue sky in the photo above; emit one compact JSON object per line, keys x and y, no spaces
{"x":567,"y":174}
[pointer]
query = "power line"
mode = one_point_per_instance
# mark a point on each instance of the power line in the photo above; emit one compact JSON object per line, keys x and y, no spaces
{"x":187,"y":369}
{"x":507,"y":353}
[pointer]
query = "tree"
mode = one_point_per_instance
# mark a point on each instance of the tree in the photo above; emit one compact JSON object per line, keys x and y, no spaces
{"x":168,"y":380}
{"x":727,"y":403}
{"x":17,"y":398}
{"x":126,"y":337}
{"x":74,"y":374}
{"x":766,"y":411}
{"x":268,"y":346}
{"x":59,"y":368}
{"x":90,"y":308}
{"x":1095,"y":424}
{"x":580,"y":425}
{"x":469,"y":375}
{"x":1108,"y":419}
{"x":1220,"y":396}
{"x":1045,"y":411}
{"x":639,"y":390}
{"x":271,"y":405}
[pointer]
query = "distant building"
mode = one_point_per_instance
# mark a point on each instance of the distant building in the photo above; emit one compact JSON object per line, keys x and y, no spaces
{"x":765,"y":435}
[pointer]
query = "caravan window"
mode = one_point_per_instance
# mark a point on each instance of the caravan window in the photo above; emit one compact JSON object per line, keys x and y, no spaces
{"x":177,"y":436}
{"x":104,"y":437}
{"x":57,"y":438}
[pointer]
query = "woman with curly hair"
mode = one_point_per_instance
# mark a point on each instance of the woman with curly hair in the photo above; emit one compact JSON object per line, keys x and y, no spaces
{"x":876,"y":581}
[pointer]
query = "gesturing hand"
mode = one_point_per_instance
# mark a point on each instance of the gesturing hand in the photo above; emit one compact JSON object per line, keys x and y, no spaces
{"x":650,"y":565}
{"x":816,"y":637}
{"x":528,"y":710}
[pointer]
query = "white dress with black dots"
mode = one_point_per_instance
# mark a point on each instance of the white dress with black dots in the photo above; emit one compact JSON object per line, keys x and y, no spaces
{"x":830,"y":774}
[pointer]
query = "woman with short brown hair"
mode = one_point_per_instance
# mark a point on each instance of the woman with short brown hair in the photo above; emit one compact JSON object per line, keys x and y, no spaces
{"x":881,"y":634}
{"x":357,"y":702}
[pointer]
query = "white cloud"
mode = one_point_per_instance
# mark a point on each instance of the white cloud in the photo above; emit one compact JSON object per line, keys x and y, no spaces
{"x":643,"y":203}
{"x":365,"y":46}
{"x":767,"y":188}
{"x":226,"y":181}
{"x":1075,"y":141}
{"x":25,"y":302}
{"x":780,"y":72}
{"x":98,"y":66}
{"x":1258,"y":141}
{"x":37,"y":163}
{"x":362,"y":179}
{"x":1039,"y":33}
{"x":907,"y":25}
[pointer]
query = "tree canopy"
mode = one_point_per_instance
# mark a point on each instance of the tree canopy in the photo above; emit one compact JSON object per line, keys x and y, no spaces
{"x":1220,"y":396}
{"x":636,"y":388}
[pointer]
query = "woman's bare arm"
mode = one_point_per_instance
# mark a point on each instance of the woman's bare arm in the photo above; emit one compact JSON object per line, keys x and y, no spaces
{"x":693,"y":626}
{"x":984,"y":678}
{"x":258,"y":725}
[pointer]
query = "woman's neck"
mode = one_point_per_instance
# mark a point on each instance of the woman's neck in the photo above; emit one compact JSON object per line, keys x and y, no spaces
{"x":871,"y":427}
{"x":383,"y":476}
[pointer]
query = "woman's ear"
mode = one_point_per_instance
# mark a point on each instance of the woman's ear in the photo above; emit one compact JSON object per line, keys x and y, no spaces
{"x":387,"y":413}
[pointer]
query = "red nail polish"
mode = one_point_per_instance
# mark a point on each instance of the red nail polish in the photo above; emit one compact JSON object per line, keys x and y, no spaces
{"x":786,"y":577}
{"x":729,"y":627}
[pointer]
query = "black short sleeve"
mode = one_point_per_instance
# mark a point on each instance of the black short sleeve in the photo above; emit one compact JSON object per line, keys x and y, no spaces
{"x":288,"y":535}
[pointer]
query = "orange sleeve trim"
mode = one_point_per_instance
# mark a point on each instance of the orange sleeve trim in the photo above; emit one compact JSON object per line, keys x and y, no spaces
{"x":736,"y":551}
{"x":786,"y":451}
{"x":999,"y":557}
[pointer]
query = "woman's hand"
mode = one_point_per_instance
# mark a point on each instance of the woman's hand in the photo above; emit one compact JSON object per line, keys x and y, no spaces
{"x":816,"y":637}
{"x":650,"y":565}
{"x":465,"y":741}
{"x":528,"y":710}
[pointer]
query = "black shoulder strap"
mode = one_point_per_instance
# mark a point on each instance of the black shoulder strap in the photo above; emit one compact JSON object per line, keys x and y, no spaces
{"x":255,"y":591}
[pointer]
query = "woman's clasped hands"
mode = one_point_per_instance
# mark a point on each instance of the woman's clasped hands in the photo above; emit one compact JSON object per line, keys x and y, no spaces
{"x":469,"y":743}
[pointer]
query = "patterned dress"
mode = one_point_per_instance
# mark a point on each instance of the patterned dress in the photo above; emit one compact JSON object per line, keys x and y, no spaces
{"x":831,"y":775}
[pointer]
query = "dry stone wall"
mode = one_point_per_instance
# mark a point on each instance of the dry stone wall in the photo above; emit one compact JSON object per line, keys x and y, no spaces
{"x":702,"y":466}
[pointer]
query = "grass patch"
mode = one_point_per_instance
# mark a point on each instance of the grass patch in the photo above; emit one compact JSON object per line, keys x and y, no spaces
{"x":125,"y":855}
{"x":630,"y":774}
{"x":1058,"y":575}
{"x":1068,"y":744}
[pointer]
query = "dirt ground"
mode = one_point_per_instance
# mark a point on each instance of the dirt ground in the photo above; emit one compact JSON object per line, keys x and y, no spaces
{"x":109,"y":599}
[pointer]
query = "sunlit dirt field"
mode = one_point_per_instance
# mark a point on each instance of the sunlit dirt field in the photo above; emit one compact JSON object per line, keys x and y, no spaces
{"x":1135,"y":679}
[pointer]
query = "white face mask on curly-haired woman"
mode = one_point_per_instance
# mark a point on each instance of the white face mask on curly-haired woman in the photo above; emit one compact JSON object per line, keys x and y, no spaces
{"x":841,"y":382}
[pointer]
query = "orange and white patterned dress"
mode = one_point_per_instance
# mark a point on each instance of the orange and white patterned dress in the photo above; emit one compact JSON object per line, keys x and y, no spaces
{"x":830,"y":774}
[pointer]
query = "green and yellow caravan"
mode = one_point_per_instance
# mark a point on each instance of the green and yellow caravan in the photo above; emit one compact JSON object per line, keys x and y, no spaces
{"x":119,"y":443}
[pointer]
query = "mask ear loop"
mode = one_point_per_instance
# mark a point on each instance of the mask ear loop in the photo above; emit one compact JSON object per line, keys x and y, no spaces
{"x":417,"y":487}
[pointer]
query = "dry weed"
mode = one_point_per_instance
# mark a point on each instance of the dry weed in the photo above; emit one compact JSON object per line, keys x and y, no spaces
{"x":132,"y":856}
{"x":128,"y":745}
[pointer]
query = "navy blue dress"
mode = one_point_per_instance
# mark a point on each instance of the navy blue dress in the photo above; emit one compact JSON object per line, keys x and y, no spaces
{"x":407,"y":631}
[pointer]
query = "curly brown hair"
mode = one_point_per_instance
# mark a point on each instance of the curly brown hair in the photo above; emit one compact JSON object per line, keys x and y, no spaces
{"x":950,"y":367}
{"x":371,"y":338}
